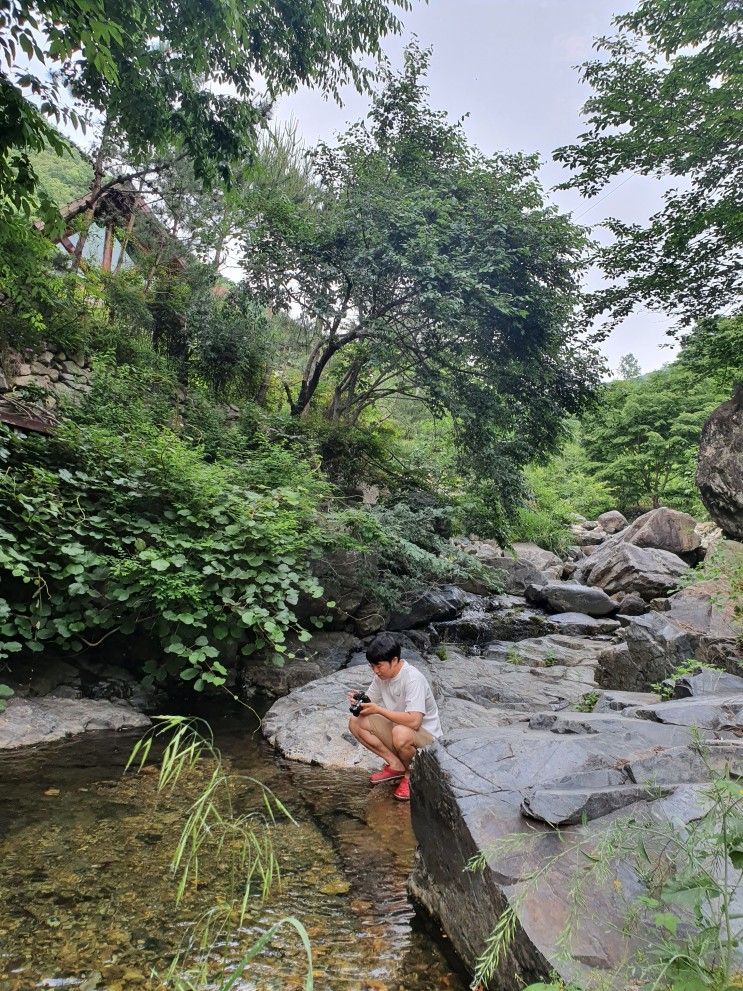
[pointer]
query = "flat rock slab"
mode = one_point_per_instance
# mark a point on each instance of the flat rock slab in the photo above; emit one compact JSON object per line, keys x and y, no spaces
{"x":469,"y":798}
{"x":26,"y":722}
{"x":578,"y":624}
{"x":507,"y":683}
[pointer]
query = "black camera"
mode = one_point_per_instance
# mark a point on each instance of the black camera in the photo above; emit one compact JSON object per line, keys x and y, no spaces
{"x":360,"y":698}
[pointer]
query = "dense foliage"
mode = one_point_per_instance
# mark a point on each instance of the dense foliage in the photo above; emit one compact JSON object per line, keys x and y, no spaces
{"x":667,"y":93}
{"x":644,"y":436}
{"x":200,"y":79}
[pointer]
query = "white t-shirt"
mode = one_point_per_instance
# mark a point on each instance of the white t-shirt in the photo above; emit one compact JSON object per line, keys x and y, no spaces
{"x":408,"y":691}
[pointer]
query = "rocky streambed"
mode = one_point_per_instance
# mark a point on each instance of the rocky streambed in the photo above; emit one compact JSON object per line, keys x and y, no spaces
{"x":550,"y":731}
{"x":549,"y":726}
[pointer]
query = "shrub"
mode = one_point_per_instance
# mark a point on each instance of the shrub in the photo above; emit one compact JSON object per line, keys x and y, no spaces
{"x":105,"y":530}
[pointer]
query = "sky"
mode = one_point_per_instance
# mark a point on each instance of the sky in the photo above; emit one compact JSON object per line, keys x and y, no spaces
{"x":510,"y":66}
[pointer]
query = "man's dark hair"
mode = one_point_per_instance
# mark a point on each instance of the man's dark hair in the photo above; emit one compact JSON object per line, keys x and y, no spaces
{"x":384,"y":647}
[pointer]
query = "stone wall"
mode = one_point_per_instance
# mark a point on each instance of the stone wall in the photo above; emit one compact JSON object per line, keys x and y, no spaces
{"x":60,"y":375}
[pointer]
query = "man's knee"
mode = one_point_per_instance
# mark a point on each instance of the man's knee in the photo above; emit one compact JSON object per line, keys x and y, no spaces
{"x":403,"y":736}
{"x":356,"y":723}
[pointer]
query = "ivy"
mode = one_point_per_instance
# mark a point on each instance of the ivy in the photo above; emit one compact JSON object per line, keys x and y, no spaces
{"x":105,"y":533}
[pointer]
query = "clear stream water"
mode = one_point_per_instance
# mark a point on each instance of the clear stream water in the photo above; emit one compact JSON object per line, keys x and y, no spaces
{"x":87,"y":899}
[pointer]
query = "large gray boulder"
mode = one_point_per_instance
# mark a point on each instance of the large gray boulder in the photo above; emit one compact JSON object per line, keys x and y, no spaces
{"x":619,"y":566}
{"x":545,"y":561}
{"x":573,"y":597}
{"x":666,"y":530}
{"x":26,"y":722}
{"x":479,"y":788}
{"x":720,"y":465}
{"x":612,"y":522}
{"x":434,"y":604}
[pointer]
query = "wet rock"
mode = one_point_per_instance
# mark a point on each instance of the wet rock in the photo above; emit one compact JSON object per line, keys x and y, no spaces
{"x":720,"y":465}
{"x":612,"y":522}
{"x":624,"y":567}
{"x":26,"y":722}
{"x":472,"y":627}
{"x":578,"y":624}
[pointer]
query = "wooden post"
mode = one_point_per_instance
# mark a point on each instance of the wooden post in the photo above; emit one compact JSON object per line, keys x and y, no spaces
{"x":108,"y":247}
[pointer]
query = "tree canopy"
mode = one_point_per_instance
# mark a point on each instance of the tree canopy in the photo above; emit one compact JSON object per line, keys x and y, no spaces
{"x":668,"y":102}
{"x":198,"y":77}
{"x":425,"y":269}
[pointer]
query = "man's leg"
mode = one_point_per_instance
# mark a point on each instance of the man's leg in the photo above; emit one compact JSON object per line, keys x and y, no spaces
{"x":406,"y":742}
{"x":376,"y":734}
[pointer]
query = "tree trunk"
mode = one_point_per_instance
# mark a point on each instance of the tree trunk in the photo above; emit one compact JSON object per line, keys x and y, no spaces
{"x":89,"y":215}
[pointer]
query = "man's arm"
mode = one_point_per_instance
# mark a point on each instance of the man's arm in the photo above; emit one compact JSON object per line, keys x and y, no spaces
{"x":411,"y":719}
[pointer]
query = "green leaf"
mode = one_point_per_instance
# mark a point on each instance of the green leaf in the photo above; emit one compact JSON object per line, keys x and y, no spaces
{"x":160,"y":564}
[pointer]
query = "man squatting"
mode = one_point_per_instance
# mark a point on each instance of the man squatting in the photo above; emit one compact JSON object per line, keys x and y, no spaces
{"x":401,"y":717}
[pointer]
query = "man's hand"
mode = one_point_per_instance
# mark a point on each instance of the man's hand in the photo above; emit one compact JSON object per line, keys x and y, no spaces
{"x":370,"y":709}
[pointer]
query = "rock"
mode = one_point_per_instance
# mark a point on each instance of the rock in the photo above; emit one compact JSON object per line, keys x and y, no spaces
{"x":517,"y":574}
{"x":667,"y":530}
{"x":584,"y":536}
{"x":578,"y":624}
{"x":711,"y":712}
{"x":545,"y":561}
{"x":682,"y":764}
{"x":623,"y":567}
{"x":568,"y":569}
{"x":615,"y":701}
{"x":653,"y":648}
{"x":472,"y":692}
{"x":477,"y":627}
{"x":562,"y":807}
{"x":630,"y":603}
{"x":4,"y":387}
{"x":467,"y":797}
{"x":709,"y":534}
{"x":699,"y":622}
{"x":325,"y":653}
{"x":707,"y":682}
{"x":574,"y":597}
{"x":26,"y":722}
{"x":612,"y":522}
{"x":443,"y":603}
{"x":720,"y":465}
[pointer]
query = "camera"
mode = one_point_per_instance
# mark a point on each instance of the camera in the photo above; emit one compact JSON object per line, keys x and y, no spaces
{"x":360,"y":698}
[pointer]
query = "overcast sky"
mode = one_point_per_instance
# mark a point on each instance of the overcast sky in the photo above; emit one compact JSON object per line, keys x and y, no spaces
{"x":510,"y":65}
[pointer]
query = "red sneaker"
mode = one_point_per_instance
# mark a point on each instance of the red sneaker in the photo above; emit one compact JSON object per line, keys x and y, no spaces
{"x":386,"y":774}
{"x":402,"y":792}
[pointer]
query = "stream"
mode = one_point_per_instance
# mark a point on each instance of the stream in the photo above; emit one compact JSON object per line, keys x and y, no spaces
{"x":88,"y":901}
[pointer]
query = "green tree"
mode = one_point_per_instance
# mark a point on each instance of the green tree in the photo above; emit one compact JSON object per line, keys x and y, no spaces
{"x":714,"y":348}
{"x":668,"y":92}
{"x":643,"y":437}
{"x":629,"y":367}
{"x":197,"y":77}
{"x":437,"y":273}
